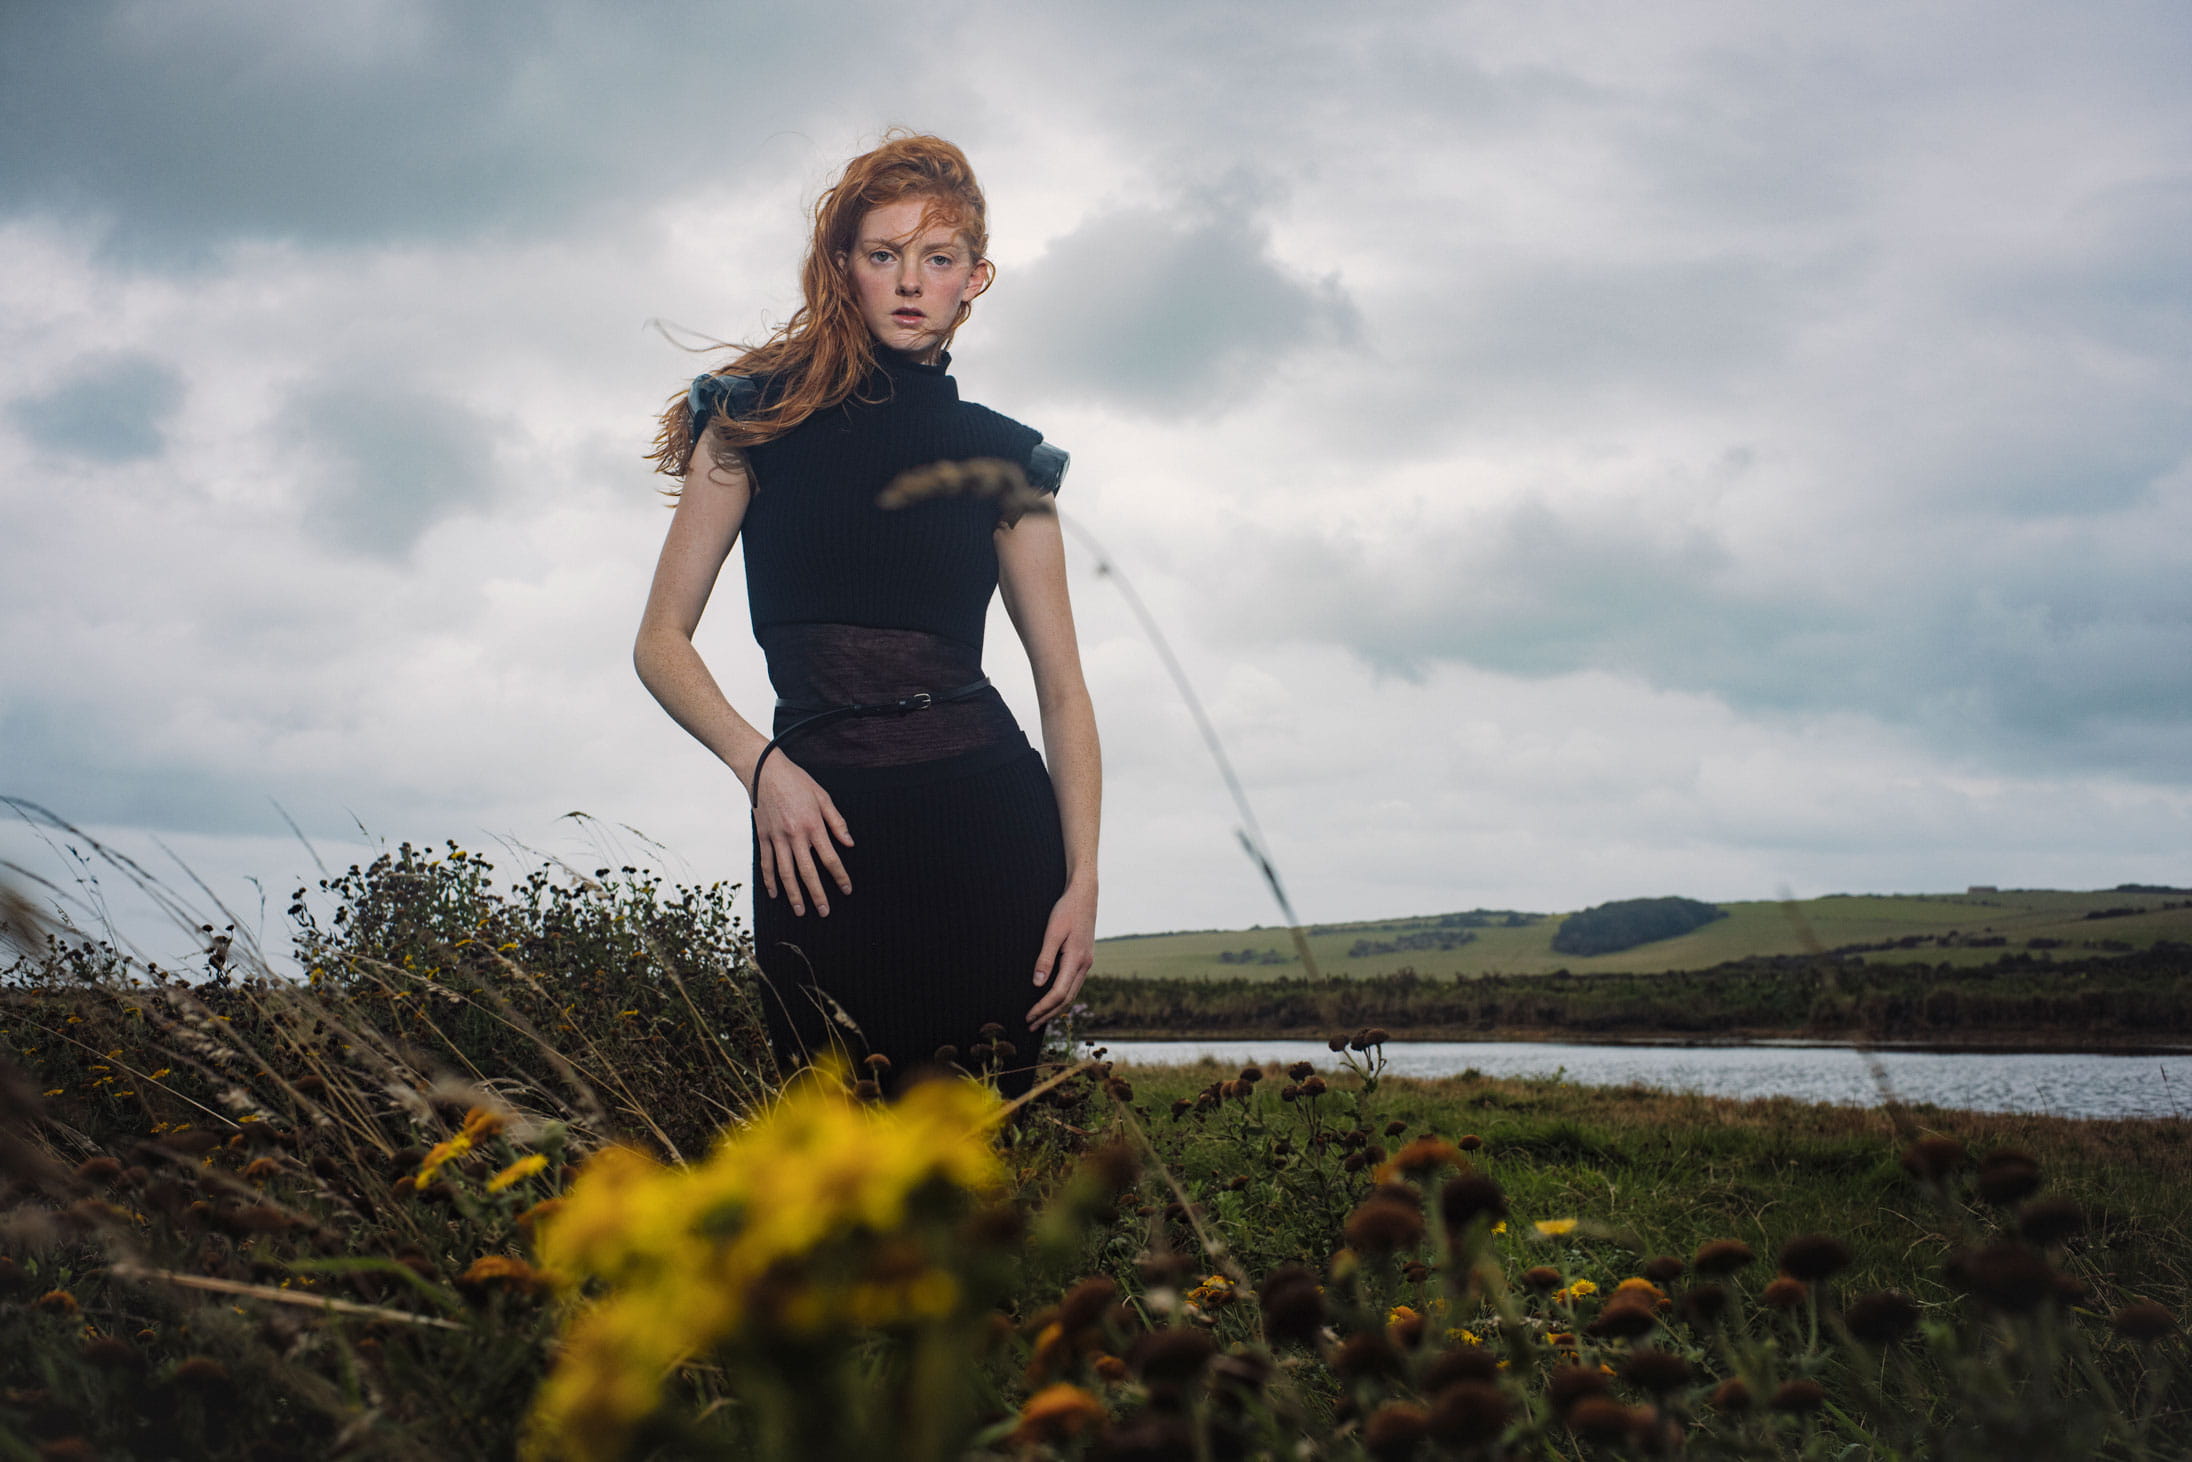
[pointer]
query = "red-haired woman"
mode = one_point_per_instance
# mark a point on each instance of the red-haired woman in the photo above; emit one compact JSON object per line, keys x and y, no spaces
{"x":924,"y":884}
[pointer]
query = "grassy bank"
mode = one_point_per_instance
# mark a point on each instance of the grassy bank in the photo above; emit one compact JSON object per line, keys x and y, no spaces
{"x":2030,"y":1000}
{"x":1963,"y":929}
{"x":508,"y":1172}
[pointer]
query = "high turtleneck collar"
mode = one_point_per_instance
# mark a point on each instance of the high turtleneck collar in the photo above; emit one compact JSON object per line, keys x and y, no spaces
{"x":916,"y":382}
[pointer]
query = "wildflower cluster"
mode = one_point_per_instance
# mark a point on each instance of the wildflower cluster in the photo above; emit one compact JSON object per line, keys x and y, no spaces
{"x":823,"y":1217}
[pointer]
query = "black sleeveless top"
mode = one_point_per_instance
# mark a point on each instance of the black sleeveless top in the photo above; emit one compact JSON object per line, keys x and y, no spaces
{"x":854,"y":602}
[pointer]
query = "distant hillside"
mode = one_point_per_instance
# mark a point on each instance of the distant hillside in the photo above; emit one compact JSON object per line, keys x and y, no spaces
{"x":1962,"y":929}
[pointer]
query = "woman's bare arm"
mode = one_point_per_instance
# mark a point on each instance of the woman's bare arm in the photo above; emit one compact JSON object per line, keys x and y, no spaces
{"x":793,"y":817}
{"x":1031,"y":571}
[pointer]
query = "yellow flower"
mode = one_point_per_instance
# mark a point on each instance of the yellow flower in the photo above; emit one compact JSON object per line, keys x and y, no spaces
{"x":1399,"y":1313}
{"x":1057,"y":1412}
{"x":1553,"y":1228}
{"x":442,"y":1154}
{"x":1576,"y":1291}
{"x":1465,"y":1337}
{"x":801,"y":1223}
{"x":517,"y":1172}
{"x":58,"y":1091}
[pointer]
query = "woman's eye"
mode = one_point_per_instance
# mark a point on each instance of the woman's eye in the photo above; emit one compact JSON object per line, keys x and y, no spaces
{"x":879,"y":256}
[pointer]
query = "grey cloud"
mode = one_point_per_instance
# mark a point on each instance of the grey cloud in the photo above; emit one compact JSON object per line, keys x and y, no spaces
{"x":67,"y":756}
{"x":2020,"y":653}
{"x":1165,"y":311}
{"x":112,"y":409}
{"x":187,"y":125}
{"x":386,"y":464}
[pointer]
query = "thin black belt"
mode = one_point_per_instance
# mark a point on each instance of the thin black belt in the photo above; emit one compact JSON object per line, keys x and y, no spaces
{"x":824,"y":715}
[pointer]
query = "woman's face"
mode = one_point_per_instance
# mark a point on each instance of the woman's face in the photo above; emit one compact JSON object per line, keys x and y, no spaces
{"x":909,"y":279}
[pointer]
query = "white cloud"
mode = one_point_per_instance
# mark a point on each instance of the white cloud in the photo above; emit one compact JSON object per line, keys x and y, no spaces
{"x":1580,"y":452}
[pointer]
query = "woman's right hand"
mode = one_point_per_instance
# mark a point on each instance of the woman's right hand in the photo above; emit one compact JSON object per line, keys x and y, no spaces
{"x":795,"y":824}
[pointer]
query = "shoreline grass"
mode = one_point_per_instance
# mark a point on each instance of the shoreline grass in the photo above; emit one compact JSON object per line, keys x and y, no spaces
{"x":401,"y":1206}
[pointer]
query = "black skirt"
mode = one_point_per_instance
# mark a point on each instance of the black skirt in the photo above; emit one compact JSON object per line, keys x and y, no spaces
{"x":956,"y":865}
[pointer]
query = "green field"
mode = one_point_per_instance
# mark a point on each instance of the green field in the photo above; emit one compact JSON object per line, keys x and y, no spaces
{"x":1962,"y":929}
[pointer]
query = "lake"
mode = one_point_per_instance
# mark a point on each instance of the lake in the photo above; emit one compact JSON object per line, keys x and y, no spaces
{"x":2055,"y":1083}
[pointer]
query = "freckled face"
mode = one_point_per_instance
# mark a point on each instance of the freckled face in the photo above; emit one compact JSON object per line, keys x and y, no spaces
{"x":910,"y":280}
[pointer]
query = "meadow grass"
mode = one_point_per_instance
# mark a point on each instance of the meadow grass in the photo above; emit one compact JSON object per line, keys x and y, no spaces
{"x":1751,"y":929}
{"x":506,"y":1170}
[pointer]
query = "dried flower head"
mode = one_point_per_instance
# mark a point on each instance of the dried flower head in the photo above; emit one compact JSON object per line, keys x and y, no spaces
{"x":2047,"y":1221}
{"x":1655,"y":1370}
{"x":1702,"y":1305}
{"x":1395,"y":1430}
{"x":1469,"y":1413}
{"x":1469,"y":1197}
{"x":55,"y":1302}
{"x":200,"y":1372}
{"x":2004,"y":1275}
{"x":1541,"y":1277}
{"x":101,"y":1169}
{"x":1292,"y":1304}
{"x":1784,"y":1293}
{"x":1798,"y":1395}
{"x":1600,"y":1419}
{"x":1813,"y":1257}
{"x":1721,"y":1257}
{"x":1366,"y":1353}
{"x":1422,"y":1157}
{"x":1458,"y":1363}
{"x":500,"y":1272}
{"x":2007,"y":1176}
{"x":1086,"y":1302}
{"x":2143,"y":1322}
{"x":1665,"y":1269}
{"x":1733,"y":1394}
{"x":1624,"y":1318}
{"x":1382,"y":1225}
{"x":1882,"y":1317}
{"x":1173,"y":1356}
{"x":1300,"y":1071}
{"x":1566,"y":1385}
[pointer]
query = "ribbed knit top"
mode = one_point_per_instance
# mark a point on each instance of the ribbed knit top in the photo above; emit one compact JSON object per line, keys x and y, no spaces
{"x":856,"y":602}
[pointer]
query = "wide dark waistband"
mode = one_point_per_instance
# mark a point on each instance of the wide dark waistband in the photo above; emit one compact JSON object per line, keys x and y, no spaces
{"x":865,"y":778}
{"x":920,"y":700}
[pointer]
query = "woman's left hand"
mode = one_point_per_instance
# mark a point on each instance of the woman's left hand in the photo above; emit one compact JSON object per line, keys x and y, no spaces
{"x":1069,"y":949}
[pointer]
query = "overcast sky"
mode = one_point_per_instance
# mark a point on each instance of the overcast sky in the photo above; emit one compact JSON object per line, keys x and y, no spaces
{"x":1580,"y":451}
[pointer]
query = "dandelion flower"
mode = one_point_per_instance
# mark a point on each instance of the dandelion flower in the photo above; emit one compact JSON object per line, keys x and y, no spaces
{"x":525,"y":1167}
{"x":1554,"y":1228}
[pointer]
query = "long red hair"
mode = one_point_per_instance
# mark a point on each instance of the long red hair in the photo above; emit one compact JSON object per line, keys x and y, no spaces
{"x":824,"y":351}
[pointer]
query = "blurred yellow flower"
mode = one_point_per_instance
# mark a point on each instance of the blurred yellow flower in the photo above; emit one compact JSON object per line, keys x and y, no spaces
{"x":1553,"y":1228}
{"x":810,"y":1220}
{"x":517,"y":1172}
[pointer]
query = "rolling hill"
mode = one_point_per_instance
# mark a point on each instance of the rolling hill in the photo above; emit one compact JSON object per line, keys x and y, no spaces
{"x":1972,"y":928}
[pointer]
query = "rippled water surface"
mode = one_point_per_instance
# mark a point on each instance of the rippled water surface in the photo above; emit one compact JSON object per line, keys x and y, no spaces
{"x":2058,"y":1084}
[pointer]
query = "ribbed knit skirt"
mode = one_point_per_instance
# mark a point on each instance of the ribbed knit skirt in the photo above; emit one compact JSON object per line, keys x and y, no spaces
{"x":955,"y":867}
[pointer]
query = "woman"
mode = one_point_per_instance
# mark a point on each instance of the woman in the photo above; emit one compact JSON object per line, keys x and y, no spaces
{"x":927,"y":889}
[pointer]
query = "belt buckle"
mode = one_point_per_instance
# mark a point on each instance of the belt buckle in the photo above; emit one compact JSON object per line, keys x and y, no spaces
{"x":919,"y":701}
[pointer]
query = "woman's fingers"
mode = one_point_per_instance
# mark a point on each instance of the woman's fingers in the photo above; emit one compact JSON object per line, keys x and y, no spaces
{"x":812,"y":877}
{"x":787,"y":875}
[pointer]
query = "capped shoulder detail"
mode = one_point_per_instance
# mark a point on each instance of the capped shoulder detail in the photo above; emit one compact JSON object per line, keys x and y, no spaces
{"x":1046,"y":467}
{"x":737,"y":396}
